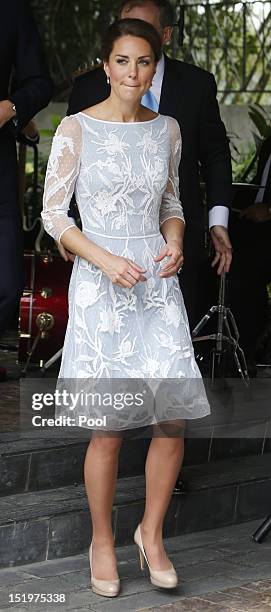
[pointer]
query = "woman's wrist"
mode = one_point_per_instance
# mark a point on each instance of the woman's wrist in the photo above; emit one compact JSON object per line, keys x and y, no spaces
{"x":99,"y":257}
{"x":176,"y":241}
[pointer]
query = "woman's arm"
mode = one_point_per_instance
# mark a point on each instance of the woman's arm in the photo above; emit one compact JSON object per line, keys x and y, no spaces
{"x":173,"y":230}
{"x":62,"y":172}
{"x":171,"y":217}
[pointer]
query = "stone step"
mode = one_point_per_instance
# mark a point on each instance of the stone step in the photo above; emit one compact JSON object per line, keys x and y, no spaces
{"x":30,"y":462}
{"x":49,"y":459}
{"x":49,"y":524}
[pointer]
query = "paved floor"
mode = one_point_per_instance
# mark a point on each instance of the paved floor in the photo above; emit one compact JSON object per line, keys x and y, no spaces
{"x":219,"y":570}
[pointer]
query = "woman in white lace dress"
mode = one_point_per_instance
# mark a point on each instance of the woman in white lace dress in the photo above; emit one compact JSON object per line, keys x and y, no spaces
{"x":127,"y":318}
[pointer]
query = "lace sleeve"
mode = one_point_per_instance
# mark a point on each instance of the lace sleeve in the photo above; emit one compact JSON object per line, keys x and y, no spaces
{"x":62,"y":171}
{"x":171,"y":206}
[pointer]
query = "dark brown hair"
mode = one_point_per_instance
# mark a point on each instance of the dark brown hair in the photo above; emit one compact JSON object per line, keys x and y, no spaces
{"x":166,"y":12}
{"x":131,"y":27}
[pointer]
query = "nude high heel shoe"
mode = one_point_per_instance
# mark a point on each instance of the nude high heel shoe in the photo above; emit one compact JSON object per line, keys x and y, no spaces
{"x":166,"y":579}
{"x":107,"y":588}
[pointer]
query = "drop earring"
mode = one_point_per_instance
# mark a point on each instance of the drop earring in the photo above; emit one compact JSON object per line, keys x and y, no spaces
{"x":108,"y":80}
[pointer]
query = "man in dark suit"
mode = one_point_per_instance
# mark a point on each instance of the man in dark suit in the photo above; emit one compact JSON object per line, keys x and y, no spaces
{"x":22,"y":62}
{"x":251,"y":268}
{"x":188,"y":94}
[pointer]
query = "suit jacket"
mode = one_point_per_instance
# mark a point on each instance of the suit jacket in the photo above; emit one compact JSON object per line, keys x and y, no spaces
{"x":189,"y":95}
{"x":22,"y":57}
{"x":22,"y":61}
{"x":265,"y":152}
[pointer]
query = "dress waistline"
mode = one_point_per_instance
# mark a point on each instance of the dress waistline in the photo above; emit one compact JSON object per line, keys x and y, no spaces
{"x":121,"y":237}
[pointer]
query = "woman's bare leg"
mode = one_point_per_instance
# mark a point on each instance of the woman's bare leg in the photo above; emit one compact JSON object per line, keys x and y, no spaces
{"x":100,"y":469}
{"x":163,"y":465}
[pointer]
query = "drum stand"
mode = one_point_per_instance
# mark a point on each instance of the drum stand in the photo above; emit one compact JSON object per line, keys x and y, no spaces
{"x":51,"y":361}
{"x":226,"y":333}
{"x":44,"y":322}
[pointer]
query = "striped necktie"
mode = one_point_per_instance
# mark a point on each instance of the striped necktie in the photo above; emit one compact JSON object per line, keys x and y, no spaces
{"x":149,"y":100}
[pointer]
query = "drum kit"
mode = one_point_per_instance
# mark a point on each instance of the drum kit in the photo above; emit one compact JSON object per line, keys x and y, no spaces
{"x":43,"y":312}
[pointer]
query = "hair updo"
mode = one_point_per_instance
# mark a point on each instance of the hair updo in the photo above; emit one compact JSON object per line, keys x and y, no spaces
{"x":131,"y":27}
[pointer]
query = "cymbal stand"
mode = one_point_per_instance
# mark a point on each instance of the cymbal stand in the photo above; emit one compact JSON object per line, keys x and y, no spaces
{"x":226,"y":333}
{"x":51,"y":361}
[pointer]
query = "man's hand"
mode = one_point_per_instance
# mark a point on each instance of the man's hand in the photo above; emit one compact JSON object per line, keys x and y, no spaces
{"x":258,"y":213}
{"x":67,"y":255}
{"x":30,"y":130}
{"x":223,"y":248}
{"x":6,"y":112}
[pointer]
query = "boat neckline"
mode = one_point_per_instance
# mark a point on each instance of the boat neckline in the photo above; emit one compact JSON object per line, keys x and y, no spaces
{"x":120,"y":122}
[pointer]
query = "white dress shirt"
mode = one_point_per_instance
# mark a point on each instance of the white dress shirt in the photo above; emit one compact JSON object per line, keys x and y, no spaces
{"x":218,"y":215}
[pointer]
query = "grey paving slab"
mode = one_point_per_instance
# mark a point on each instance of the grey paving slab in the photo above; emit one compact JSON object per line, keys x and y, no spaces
{"x":211,"y":583}
{"x":13,"y":576}
{"x":207,"y":562}
{"x":133,"y":586}
{"x":136,"y":601}
{"x":57,"y":584}
{"x":252,"y":558}
{"x":244,"y":545}
{"x":81,"y":609}
{"x":59,"y":566}
{"x":77,"y":600}
{"x":209,"y":537}
{"x":259,"y":571}
{"x":182,"y":559}
{"x":187,"y":605}
{"x":202,"y":571}
{"x":186,"y":558}
{"x":17,"y":609}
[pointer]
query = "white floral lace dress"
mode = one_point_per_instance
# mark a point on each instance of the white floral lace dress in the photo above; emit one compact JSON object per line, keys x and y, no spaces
{"x":125,"y":178}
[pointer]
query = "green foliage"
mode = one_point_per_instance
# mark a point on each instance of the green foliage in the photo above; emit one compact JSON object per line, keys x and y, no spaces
{"x":262,"y":120}
{"x":244,"y":163}
{"x":49,"y":133}
{"x":214,"y":39}
{"x":244,"y":166}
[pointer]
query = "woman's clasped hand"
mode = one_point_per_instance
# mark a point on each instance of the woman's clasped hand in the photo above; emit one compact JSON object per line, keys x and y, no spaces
{"x":124,"y":272}
{"x":172,"y":250}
